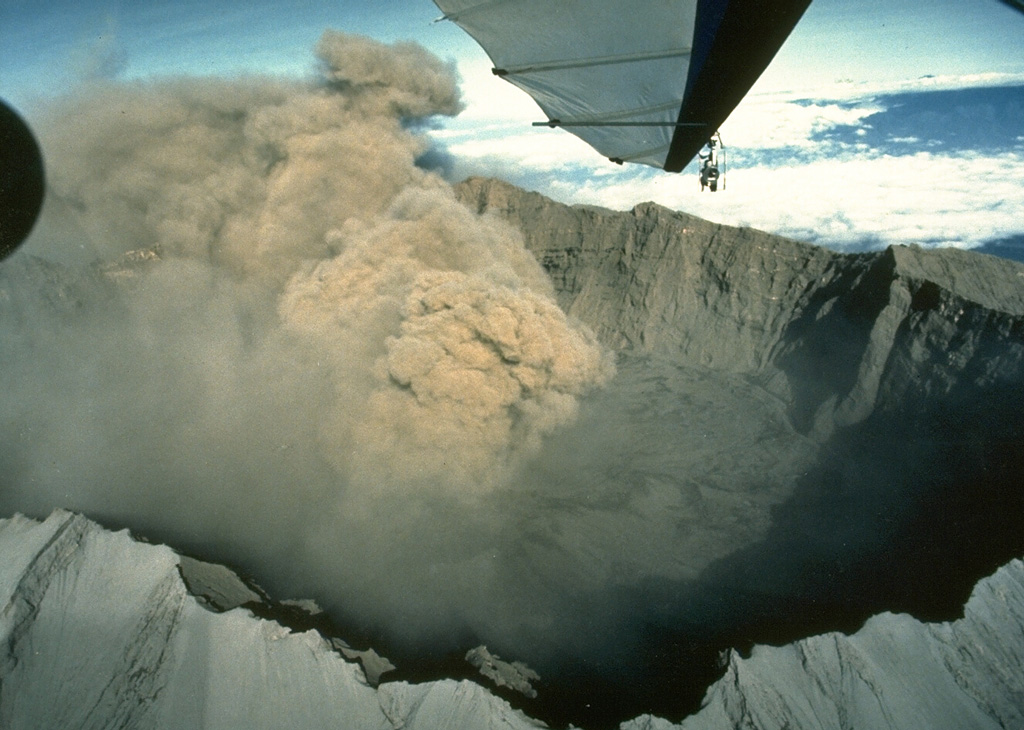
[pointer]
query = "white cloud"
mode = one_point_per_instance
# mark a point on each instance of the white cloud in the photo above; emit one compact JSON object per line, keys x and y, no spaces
{"x":845,"y":195}
{"x":527,"y":151}
{"x":846,"y":90}
{"x":769,"y":123}
{"x":957,"y":200}
{"x":488,"y":98}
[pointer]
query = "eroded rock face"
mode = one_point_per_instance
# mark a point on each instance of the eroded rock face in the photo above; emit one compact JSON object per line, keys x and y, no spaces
{"x":101,"y":631}
{"x":886,"y":473}
{"x":894,"y":673}
{"x":795,"y":440}
{"x":920,"y":348}
{"x":838,"y":335}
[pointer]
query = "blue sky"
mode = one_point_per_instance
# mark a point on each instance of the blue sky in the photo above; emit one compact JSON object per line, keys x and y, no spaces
{"x":836,"y":143}
{"x":877,"y":40}
{"x":837,"y":39}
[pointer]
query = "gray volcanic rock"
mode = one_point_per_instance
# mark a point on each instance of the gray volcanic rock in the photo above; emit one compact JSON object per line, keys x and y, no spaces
{"x":923,"y":347}
{"x":894,"y":673}
{"x":100,"y":631}
{"x":214,"y":585}
{"x":796,"y":439}
{"x":515,"y":675}
{"x":837,"y":339}
{"x":836,"y":335}
{"x":814,"y":437}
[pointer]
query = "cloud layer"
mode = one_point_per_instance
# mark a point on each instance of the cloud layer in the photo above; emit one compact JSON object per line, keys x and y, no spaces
{"x":933,"y":162}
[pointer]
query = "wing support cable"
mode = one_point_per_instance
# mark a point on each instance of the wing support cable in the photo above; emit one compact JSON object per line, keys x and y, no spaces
{"x":589,"y":62}
{"x":459,"y":13}
{"x":639,"y":155}
{"x":596,"y":123}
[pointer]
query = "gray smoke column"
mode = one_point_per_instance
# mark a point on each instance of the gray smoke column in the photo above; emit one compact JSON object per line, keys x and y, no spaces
{"x":264,"y":332}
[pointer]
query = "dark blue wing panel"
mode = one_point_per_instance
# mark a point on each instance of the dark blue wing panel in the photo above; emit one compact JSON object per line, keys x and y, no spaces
{"x":749,"y":34}
{"x":709,"y":19}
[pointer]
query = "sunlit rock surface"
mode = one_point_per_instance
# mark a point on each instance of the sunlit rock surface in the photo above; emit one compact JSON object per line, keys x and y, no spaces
{"x":795,"y":440}
{"x":100,"y":631}
{"x":838,"y":336}
{"x":894,"y":673}
{"x":807,"y":434}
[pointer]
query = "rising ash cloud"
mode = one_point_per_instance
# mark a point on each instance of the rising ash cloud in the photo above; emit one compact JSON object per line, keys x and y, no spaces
{"x":252,"y":325}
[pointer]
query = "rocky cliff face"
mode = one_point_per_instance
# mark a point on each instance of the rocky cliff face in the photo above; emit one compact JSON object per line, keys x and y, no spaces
{"x":838,"y":336}
{"x":101,"y":631}
{"x":921,"y":348}
{"x":894,"y":673}
{"x":886,"y":472}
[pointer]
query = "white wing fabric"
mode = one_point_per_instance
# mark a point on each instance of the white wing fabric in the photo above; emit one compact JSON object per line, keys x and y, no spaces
{"x":592,"y":62}
{"x":644,"y":81}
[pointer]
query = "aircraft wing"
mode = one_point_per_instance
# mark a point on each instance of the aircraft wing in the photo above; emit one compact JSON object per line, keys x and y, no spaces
{"x":645,"y":81}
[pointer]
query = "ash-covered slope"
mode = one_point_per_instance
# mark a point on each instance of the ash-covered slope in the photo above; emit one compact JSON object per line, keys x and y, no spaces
{"x":100,"y":631}
{"x":894,"y":673}
{"x":905,"y":366}
{"x":795,"y":440}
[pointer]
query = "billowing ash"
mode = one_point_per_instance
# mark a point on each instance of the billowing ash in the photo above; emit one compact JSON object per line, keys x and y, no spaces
{"x":263,"y":332}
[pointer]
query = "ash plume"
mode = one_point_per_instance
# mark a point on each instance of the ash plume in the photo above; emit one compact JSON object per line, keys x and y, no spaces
{"x":251,"y":325}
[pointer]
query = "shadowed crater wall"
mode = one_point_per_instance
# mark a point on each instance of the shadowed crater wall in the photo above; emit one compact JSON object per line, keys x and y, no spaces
{"x":840,"y":433}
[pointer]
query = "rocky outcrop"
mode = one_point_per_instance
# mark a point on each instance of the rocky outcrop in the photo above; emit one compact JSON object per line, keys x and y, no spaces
{"x":894,"y":673}
{"x":796,"y":439}
{"x":101,"y":631}
{"x":905,"y":366}
{"x":887,"y":474}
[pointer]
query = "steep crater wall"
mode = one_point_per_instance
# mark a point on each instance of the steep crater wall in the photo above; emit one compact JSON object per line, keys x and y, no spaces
{"x":795,"y":440}
{"x":838,"y":335}
{"x":904,"y":368}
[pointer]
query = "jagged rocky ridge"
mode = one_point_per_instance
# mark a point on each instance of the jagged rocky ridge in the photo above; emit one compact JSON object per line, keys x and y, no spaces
{"x":889,"y":382}
{"x":894,"y":673}
{"x":848,"y":425}
{"x":100,"y":630}
{"x":837,"y":336}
